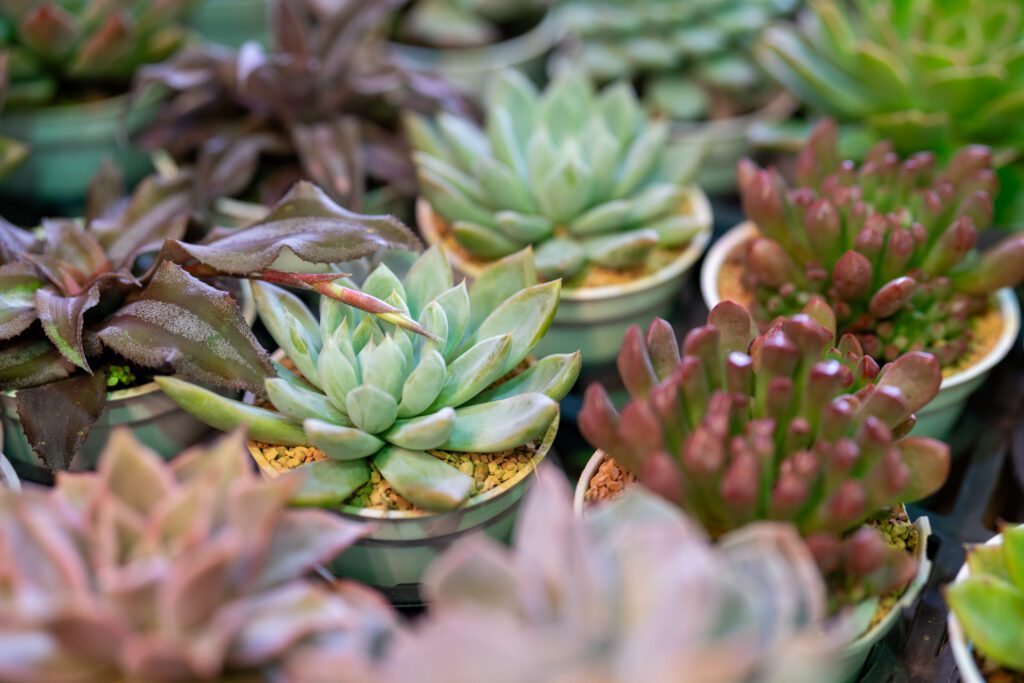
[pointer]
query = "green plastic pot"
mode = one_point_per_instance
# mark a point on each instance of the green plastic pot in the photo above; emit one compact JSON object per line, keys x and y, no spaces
{"x":935,"y":420}
{"x":594,"y":320}
{"x":962,"y":650}
{"x":68,"y":142}
{"x":726,"y":141}
{"x":232,"y":22}
{"x":402,"y":544}
{"x":156,"y":420}
{"x":473,"y":68}
{"x":853,"y":656}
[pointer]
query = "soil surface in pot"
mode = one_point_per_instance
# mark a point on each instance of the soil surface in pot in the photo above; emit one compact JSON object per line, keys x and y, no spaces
{"x":489,"y":470}
{"x":610,"y":480}
{"x":985,"y":329}
{"x":591,"y":276}
{"x":993,"y":673}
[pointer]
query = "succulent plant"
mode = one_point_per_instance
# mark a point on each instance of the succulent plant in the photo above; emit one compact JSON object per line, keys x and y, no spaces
{"x":78,"y":297}
{"x":467,"y":23}
{"x":782,"y":426}
{"x":889,"y":244}
{"x":693,"y":59}
{"x":599,"y":600}
{"x":320,"y":105}
{"x":60,"y":48}
{"x":989,"y":603}
{"x":369,"y":389}
{"x":586,"y":178}
{"x":193,"y":571}
{"x":930,"y":75}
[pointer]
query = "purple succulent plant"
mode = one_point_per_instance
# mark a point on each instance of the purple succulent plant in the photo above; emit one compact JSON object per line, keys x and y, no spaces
{"x":890,"y":244}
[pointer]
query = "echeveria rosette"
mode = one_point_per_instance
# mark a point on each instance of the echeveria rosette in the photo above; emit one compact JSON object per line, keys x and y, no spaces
{"x":781,"y":426}
{"x":930,"y":75}
{"x":586,"y":178}
{"x":989,"y":603}
{"x":598,"y":599}
{"x":190,"y":571}
{"x":77,"y":294}
{"x":890,"y":244}
{"x":694,"y":59}
{"x":369,"y":389}
{"x":53,"y":46}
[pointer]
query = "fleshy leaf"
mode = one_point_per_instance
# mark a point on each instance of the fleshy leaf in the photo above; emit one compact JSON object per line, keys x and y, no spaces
{"x":422,"y":479}
{"x":501,"y":425}
{"x":341,"y":443}
{"x":525,"y":316}
{"x":553,"y":376}
{"x":18,"y":286}
{"x":423,"y":432}
{"x":57,"y":417}
{"x":62,"y":318}
{"x":329,"y":483}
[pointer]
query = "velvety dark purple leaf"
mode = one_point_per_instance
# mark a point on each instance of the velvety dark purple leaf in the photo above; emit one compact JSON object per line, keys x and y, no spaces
{"x":183,"y":325}
{"x":330,"y":156}
{"x":157,"y":210}
{"x":27,"y":363}
{"x":72,"y":258}
{"x":308,"y":223}
{"x":57,"y":417}
{"x":62,"y":318}
{"x":14,"y":241}
{"x":105,"y":190}
{"x":18,"y":286}
{"x":228,"y":162}
{"x":289,"y":32}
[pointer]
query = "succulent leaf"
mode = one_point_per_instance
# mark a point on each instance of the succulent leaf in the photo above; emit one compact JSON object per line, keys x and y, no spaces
{"x":422,"y":479}
{"x":502,"y":424}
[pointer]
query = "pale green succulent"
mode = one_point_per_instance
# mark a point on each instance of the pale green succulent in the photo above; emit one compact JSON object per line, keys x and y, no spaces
{"x":584,"y":177}
{"x":370,"y":389}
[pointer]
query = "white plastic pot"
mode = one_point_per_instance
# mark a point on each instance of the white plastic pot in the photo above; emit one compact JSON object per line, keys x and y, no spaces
{"x":473,"y":68}
{"x":938,"y":417}
{"x":856,"y":653}
{"x":155,"y":419}
{"x":594,"y":320}
{"x":962,"y":651}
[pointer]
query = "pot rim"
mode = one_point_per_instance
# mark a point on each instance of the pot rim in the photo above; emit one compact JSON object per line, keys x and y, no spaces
{"x":429,"y":220}
{"x":358,"y":513}
{"x":908,"y":596}
{"x":1009,"y":308}
{"x":476,"y":60}
{"x":957,"y":639}
{"x":248,"y":312}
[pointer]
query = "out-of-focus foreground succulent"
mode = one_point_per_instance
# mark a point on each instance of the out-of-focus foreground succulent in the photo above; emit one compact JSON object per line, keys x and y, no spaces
{"x":890,"y":244}
{"x":468,"y":23}
{"x":989,"y":604}
{"x":192,"y":571}
{"x":588,"y":179}
{"x":321,"y":105}
{"x":69,"y":48}
{"x":80,"y":296}
{"x":693,"y":60}
{"x":927,"y":74}
{"x":600,"y":600}
{"x":782,"y":426}
{"x":371,"y":389}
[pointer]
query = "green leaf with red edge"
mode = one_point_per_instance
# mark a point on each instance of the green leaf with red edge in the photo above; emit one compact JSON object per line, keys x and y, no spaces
{"x":308,"y":223}
{"x":18,"y":286}
{"x":63,"y":318}
{"x":183,"y":324}
{"x":58,"y":416}
{"x":49,"y":30}
{"x":30,"y":362}
{"x":108,"y":44}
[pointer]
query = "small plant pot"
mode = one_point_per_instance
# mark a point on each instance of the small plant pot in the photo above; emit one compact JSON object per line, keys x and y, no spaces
{"x":963,"y":653}
{"x":232,"y":22}
{"x":726,"y":141}
{"x":8,"y":477}
{"x":938,"y":417}
{"x":403,"y":543}
{"x":155,"y":419}
{"x":594,"y":320}
{"x":68,"y":142}
{"x":856,"y":653}
{"x":473,"y":68}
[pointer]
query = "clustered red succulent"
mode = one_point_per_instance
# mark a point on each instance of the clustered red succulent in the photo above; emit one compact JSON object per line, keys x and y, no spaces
{"x":890,"y":244}
{"x":785,"y":426}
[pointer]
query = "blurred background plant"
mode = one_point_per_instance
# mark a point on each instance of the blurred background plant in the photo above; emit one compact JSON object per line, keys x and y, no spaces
{"x":193,"y":571}
{"x":599,"y":600}
{"x":320,"y":104}
{"x":467,"y":23}
{"x":692,"y":61}
{"x":930,"y":75}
